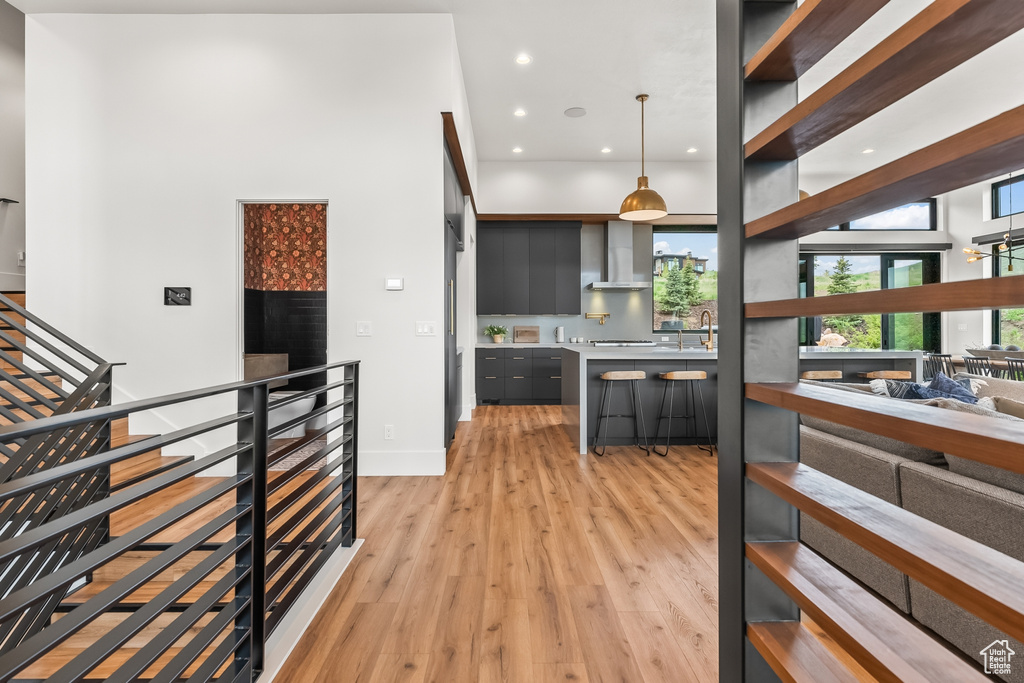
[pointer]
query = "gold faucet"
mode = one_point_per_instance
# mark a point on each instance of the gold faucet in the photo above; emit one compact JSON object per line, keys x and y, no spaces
{"x":710,"y":342}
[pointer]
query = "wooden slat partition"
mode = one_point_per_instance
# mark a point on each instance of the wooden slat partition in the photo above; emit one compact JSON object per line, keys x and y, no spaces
{"x":983,"y":581}
{"x":989,"y":440}
{"x":941,"y":37}
{"x":451,"y":136}
{"x":969,"y":295}
{"x":796,"y":654}
{"x":809,"y":34}
{"x":879,"y":637}
{"x":988,"y":149}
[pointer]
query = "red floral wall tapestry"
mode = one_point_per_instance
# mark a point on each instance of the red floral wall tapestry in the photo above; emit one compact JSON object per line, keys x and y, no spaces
{"x":286,"y":247}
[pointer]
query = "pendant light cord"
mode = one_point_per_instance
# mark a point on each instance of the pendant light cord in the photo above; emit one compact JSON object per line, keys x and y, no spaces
{"x":643,"y":170}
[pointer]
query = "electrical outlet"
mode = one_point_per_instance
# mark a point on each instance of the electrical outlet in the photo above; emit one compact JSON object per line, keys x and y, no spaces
{"x":426,"y":328}
{"x":389,"y":432}
{"x":21,"y":259}
{"x":664,"y":339}
{"x":364,"y":328}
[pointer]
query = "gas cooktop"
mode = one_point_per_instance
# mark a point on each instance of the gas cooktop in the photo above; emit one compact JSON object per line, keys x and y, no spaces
{"x":622,"y":342}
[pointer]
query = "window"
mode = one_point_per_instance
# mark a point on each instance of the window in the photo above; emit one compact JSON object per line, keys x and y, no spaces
{"x":1008,"y":323}
{"x":1008,"y":197}
{"x":913,"y":216}
{"x":828,"y":274}
{"x":685,"y":277}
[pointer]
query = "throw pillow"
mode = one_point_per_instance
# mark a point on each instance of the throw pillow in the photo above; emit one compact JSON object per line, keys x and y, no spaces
{"x":912,"y":390}
{"x":950,"y":386}
{"x":1007,"y":406}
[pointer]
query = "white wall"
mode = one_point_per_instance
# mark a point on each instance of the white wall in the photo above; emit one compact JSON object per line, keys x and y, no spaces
{"x":588,"y":187}
{"x":146,"y":130}
{"x":12,"y":146}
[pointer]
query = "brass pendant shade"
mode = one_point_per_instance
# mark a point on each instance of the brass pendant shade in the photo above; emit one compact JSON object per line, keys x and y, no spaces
{"x":644,"y":204}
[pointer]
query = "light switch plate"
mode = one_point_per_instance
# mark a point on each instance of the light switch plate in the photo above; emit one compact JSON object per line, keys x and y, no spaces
{"x":364,"y":328}
{"x":962,"y":327}
{"x":394,"y":284}
{"x":426,"y":328}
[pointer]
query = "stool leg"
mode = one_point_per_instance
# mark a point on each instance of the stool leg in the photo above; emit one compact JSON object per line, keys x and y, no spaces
{"x":661,"y":416}
{"x":638,"y":409}
{"x":703,"y":412}
{"x":600,"y":409}
{"x":691,"y":408}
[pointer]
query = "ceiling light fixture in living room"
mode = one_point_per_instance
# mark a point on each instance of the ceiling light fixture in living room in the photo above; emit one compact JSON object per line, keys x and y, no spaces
{"x":644,"y":204}
{"x":1007,"y":245}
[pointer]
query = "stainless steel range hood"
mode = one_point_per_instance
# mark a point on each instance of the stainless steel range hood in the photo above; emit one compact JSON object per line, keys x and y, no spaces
{"x":619,"y":250}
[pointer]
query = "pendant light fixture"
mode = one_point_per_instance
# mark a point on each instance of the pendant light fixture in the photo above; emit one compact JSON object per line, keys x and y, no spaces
{"x":645,"y":204}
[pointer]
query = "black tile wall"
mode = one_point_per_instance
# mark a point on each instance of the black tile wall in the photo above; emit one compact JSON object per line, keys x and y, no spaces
{"x":289,"y":322}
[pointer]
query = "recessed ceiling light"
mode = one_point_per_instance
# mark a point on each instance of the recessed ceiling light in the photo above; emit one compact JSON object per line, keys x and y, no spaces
{"x":520,"y":112}
{"x":606,"y":150}
{"x":575,"y":112}
{"x":868,"y":151}
{"x":523,"y":58}
{"x":517,"y":150}
{"x":692,"y":150}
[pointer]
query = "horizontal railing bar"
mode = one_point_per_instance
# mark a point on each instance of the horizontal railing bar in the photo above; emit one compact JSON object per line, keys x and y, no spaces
{"x":50,"y":329}
{"x":33,"y":374}
{"x":151,"y":651}
{"x":127,"y":629}
{"x":300,"y":467}
{"x":979,"y":153}
{"x":811,"y":32}
{"x":245,"y":675}
{"x":225,"y":651}
{"x":795,"y":654}
{"x":114,"y":412}
{"x":36,"y":537}
{"x":979,"y":579}
{"x":938,"y":39}
{"x":45,"y":344}
{"x":301,"y":540}
{"x":285,"y":426}
{"x":981,"y":438}
{"x":115,"y":455}
{"x":29,"y":390}
{"x":19,"y":404}
{"x":280,"y":607}
{"x":315,"y":391}
{"x":334,"y":524}
{"x":67,"y":575}
{"x":882,"y":640}
{"x":305,"y":487}
{"x":309,"y":437}
{"x":281,"y":533}
{"x":963,"y":295}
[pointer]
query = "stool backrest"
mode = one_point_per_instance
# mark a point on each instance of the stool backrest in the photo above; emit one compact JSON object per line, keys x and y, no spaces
{"x":935,"y":363}
{"x":1015,"y":369}
{"x":978,"y":366}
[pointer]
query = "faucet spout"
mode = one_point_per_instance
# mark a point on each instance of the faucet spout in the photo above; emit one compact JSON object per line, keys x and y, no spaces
{"x":710,"y":341}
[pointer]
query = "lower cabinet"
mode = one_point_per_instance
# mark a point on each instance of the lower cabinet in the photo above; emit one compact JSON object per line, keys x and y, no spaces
{"x":518,"y":376}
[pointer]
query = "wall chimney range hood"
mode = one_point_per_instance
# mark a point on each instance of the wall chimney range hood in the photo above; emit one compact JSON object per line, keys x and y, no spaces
{"x":619,"y":260}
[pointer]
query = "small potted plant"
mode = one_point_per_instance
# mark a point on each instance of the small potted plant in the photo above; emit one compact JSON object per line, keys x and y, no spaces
{"x":498,"y":332}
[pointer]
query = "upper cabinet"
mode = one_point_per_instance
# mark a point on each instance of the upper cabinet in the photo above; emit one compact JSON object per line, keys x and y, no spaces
{"x":528,"y":268}
{"x":454,"y":200}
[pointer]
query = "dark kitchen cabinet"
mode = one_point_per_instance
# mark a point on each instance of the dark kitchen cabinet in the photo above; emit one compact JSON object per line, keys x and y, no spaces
{"x":454,"y":201}
{"x":528,"y":268}
{"x":518,"y":376}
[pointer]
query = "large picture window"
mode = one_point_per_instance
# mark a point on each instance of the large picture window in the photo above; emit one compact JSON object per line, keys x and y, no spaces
{"x":1008,"y":323}
{"x":1008,"y":197}
{"x":914,"y":216}
{"x":685,"y":278}
{"x":829,"y":274}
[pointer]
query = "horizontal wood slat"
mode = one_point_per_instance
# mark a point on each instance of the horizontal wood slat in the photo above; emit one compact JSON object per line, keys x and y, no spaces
{"x":451,"y":136}
{"x":806,"y":36}
{"x":944,"y":35}
{"x":968,"y":295}
{"x":977,"y":437}
{"x":986,"y":150}
{"x":795,"y":654}
{"x":983,"y":581}
{"x":882,"y":640}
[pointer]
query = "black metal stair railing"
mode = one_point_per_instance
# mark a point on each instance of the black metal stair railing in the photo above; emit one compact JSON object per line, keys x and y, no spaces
{"x":202,"y":561}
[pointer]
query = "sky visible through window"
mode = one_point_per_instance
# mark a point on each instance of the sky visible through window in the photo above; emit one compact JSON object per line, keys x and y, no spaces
{"x":701,"y":245}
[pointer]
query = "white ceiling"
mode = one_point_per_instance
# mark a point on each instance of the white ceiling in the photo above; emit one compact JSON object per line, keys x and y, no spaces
{"x":598,"y":54}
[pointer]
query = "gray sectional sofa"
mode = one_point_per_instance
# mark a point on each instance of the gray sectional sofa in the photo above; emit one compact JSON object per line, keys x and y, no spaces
{"x":981,"y":502}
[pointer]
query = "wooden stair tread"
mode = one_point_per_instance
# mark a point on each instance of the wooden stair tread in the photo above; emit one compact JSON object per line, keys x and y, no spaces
{"x":939,"y":38}
{"x":979,"y":579}
{"x":143,"y":466}
{"x":979,"y":153}
{"x":985,"y":439}
{"x":811,"y":32}
{"x":935,"y":298}
{"x":881,"y":639}
{"x":795,"y":654}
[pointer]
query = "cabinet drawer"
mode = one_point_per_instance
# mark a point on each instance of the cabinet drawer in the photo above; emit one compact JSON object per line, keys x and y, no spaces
{"x":519,"y":387}
{"x":484,"y":354}
{"x":490,"y":388}
{"x":547,"y":388}
{"x":518,"y":364}
{"x":546,"y":365}
{"x":494,"y":367}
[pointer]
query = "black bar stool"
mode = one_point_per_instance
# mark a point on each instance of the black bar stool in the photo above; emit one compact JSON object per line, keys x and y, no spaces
{"x":691,"y":378}
{"x":610,"y":378}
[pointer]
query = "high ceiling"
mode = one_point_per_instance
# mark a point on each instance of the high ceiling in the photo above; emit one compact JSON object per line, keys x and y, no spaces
{"x":598,"y":54}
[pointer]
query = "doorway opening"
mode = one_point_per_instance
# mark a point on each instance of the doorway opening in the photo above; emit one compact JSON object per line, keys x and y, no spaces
{"x":284,"y":308}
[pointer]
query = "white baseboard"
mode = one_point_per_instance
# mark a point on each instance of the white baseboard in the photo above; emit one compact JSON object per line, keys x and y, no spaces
{"x":402,"y":463}
{"x":300,"y":616}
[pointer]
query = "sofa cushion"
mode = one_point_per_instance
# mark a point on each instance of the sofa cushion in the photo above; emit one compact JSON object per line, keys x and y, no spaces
{"x":991,"y":386}
{"x":1008,"y":406}
{"x":995,"y":476}
{"x":882,"y":443}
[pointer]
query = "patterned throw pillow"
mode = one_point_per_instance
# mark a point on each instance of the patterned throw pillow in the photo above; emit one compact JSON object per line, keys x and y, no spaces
{"x":951,"y":386}
{"x":911,"y":390}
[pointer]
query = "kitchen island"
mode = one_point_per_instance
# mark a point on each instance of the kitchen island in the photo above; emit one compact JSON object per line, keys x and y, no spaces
{"x":583,"y":364}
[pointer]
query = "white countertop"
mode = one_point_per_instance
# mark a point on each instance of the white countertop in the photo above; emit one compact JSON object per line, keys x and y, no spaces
{"x":589,"y":351}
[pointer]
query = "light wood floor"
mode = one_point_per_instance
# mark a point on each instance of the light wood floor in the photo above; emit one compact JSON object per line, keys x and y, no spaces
{"x":527,"y":562}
